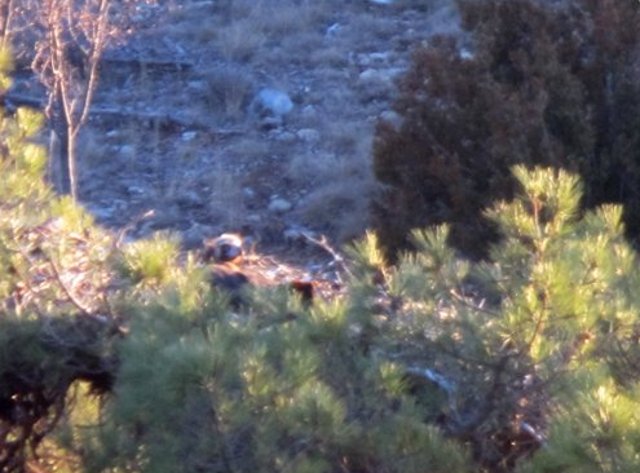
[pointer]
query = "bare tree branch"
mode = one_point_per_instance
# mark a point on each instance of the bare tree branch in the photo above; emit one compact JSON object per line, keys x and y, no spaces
{"x":70,"y":39}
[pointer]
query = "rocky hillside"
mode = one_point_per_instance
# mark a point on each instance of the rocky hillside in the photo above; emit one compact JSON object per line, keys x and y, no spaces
{"x":244,"y":115}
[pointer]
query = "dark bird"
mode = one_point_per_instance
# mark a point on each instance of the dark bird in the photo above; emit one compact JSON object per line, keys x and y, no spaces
{"x":304,"y":289}
{"x":228,"y":278}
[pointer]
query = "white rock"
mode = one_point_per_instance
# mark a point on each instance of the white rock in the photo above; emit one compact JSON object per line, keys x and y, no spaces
{"x":136,"y":189}
{"x":274,"y":101}
{"x":280,"y":205}
{"x":373,"y":75}
{"x":466,"y":54}
{"x":189,"y":135}
{"x":197,"y":85}
{"x":127,"y":151}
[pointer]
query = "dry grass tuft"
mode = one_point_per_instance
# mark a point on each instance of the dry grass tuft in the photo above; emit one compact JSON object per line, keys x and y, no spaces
{"x":240,"y":40}
{"x":341,"y":181}
{"x":339,"y":208}
{"x":226,"y":206}
{"x":228,"y":90}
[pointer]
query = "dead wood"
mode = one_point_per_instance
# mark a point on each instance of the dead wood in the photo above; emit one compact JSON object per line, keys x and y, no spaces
{"x":150,"y":65}
{"x":163,"y":119}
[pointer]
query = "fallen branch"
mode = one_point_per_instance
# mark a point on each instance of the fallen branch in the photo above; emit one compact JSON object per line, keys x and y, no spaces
{"x":322,"y":242}
{"x":142,"y":64}
{"x":12,"y":100}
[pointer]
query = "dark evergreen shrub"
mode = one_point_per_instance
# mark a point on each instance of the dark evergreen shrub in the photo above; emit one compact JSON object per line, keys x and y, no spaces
{"x":540,"y":83}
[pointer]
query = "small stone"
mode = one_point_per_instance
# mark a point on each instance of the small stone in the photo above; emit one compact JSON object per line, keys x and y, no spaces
{"x":127,"y":151}
{"x":392,"y":118}
{"x":466,"y":54}
{"x":285,"y":137}
{"x":309,"y":111}
{"x":274,"y":102}
{"x":197,"y":85}
{"x":135,"y":189}
{"x":280,"y":205}
{"x":309,"y":135}
{"x":248,"y":193}
{"x":375,"y":76}
{"x":189,"y":135}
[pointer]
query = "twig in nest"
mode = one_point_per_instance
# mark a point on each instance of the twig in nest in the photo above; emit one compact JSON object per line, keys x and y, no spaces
{"x":131,"y":225}
{"x":324,"y":244}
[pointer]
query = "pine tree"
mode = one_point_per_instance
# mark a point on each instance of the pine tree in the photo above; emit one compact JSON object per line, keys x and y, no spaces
{"x":54,"y":347}
{"x":440,"y":364}
{"x":527,"y":362}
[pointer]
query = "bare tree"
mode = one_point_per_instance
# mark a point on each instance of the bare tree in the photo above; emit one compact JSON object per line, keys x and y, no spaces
{"x":63,"y":41}
{"x":15,"y":21}
{"x":73,"y":37}
{"x":6,"y":13}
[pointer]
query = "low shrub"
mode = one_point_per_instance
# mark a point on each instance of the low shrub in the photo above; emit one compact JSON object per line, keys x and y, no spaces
{"x":537,"y":83}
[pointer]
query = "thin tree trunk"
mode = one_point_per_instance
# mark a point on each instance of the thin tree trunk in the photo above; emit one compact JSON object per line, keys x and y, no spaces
{"x":60,"y":157}
{"x":63,"y":157}
{"x":6,"y":13}
{"x":72,"y":172}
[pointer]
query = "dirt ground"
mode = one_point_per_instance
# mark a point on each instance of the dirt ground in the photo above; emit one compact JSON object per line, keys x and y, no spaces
{"x":191,"y":143}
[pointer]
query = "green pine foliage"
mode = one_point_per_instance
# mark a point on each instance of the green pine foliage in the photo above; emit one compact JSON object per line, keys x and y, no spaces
{"x":120,"y":357}
{"x":53,"y":266}
{"x":259,"y":392}
{"x":531,"y":82}
{"x":150,"y":261}
{"x":534,"y":352}
{"x":522,"y":364}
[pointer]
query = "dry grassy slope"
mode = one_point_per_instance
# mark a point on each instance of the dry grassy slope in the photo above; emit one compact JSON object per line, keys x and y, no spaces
{"x":335,"y":58}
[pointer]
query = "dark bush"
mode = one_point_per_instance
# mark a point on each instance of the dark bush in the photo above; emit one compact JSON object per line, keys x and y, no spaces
{"x":539,"y":83}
